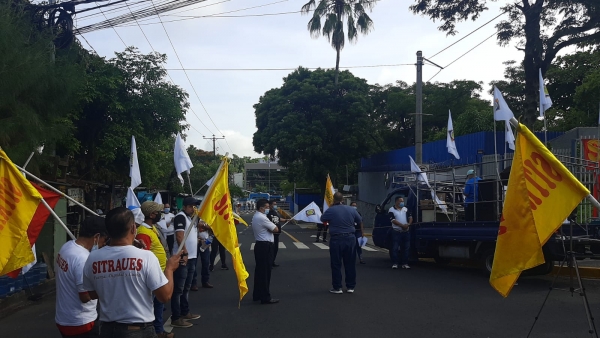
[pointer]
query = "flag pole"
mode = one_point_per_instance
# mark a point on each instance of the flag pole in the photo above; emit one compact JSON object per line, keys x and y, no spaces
{"x":190,"y":182}
{"x":513,"y":121}
{"x":39,"y":180}
{"x":58,"y":219}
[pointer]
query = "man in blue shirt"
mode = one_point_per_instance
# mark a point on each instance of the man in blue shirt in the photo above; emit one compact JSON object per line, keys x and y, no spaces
{"x":342,"y":245}
{"x":471,"y":194}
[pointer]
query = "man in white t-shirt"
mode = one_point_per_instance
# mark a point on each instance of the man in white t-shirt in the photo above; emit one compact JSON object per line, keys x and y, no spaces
{"x":166,"y":227}
{"x":180,"y":308}
{"x":75,"y":309}
{"x":124,"y":278}
{"x":401,"y":221}
{"x":263,"y":230}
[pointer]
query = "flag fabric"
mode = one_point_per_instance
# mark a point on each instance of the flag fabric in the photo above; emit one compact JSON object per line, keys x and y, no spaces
{"x":510,"y":137}
{"x":329,"y":191}
{"x":238,"y":219}
{"x":545,"y":101}
{"x":311,"y":213}
{"x":134,"y":166}
{"x":37,"y":223}
{"x":216,"y":210}
{"x":450,"y":144}
{"x":540,"y":196}
{"x":423,"y":178}
{"x":131,"y":199}
{"x":210,"y":182}
{"x":158,"y":198}
{"x":181,"y":157}
{"x":18,"y":203}
{"x":501,"y":110}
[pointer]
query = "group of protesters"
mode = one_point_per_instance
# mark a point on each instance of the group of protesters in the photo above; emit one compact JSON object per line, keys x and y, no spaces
{"x":120,"y":290}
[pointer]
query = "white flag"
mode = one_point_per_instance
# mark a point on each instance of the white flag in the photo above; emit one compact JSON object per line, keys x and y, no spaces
{"x":182,"y":159}
{"x":423,"y":177}
{"x":134,"y":166}
{"x":158,"y":198}
{"x":510,"y":137}
{"x":450,"y":144}
{"x":311,"y":213}
{"x":545,"y":101}
{"x":501,"y":110}
{"x":30,"y":265}
{"x":210,"y":182}
{"x":131,"y":200}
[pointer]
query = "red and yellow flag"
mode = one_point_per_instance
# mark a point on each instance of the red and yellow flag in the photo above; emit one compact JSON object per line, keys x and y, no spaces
{"x":541,"y":194}
{"x":18,"y":203}
{"x":217,"y":211}
{"x":329,"y":191}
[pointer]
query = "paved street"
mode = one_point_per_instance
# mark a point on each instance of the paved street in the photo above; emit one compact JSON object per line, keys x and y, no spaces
{"x":426,"y":301}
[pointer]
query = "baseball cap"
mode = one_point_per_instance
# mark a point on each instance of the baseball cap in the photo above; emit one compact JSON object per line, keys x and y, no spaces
{"x":190,"y":201}
{"x":470,"y":172}
{"x":149,"y":207}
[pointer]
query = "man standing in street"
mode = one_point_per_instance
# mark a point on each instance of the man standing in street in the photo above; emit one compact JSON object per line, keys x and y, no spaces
{"x":166,"y":227}
{"x":401,"y":221}
{"x":275,"y":217}
{"x":180,"y":309}
{"x":263,"y":230}
{"x":471,"y":194}
{"x":150,"y":236}
{"x":124,"y":279}
{"x":75,"y":308}
{"x":359,"y":231}
{"x":216,"y":247}
{"x":342,"y":246}
{"x":203,"y":257}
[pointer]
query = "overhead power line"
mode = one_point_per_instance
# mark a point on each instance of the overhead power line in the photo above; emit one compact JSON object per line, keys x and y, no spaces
{"x":287,"y":68}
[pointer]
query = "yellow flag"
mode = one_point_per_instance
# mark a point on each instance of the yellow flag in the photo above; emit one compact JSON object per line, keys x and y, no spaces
{"x":238,"y":219}
{"x":328,"y":200}
{"x":18,"y":202}
{"x":217,"y":211}
{"x":541,"y":194}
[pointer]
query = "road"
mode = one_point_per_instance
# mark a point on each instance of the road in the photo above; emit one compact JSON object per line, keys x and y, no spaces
{"x":426,"y":301}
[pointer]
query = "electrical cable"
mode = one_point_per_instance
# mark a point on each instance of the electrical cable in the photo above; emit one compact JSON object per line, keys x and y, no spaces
{"x":286,"y":69}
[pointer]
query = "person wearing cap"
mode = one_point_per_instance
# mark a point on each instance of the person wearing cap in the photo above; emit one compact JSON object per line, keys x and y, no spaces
{"x":471,"y":193}
{"x":180,"y":309}
{"x":150,"y":236}
{"x":125,"y":278}
{"x":166,"y":227}
{"x":76,"y":308}
{"x":263,"y":230}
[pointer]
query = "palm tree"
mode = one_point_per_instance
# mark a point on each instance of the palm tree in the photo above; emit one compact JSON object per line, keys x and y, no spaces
{"x":335,"y":12}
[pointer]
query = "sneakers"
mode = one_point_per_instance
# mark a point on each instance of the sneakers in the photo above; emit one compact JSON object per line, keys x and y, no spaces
{"x":224,"y":267}
{"x":350,"y":290}
{"x":317,"y":241}
{"x":165,"y":335}
{"x":405,"y":266}
{"x":181,"y":323}
{"x":336,"y":291}
{"x":395,"y":266}
{"x":190,"y":316}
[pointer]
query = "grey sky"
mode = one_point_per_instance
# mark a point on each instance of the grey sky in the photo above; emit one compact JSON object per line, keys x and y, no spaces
{"x":282,"y":41}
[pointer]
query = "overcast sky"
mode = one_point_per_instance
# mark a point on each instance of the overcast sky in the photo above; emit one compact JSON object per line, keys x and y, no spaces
{"x":282,"y":41}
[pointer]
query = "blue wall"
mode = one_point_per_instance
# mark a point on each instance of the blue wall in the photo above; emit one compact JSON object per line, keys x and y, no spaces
{"x":305,"y":199}
{"x":436,"y":152}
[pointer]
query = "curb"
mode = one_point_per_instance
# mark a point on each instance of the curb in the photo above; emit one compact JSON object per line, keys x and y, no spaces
{"x":584,"y":272}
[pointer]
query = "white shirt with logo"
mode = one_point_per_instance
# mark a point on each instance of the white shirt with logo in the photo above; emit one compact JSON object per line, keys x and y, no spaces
{"x":191,"y":243}
{"x":70,"y":311}
{"x":167,"y":219}
{"x":400,"y":216}
{"x":262,"y":227}
{"x":124,"y":278}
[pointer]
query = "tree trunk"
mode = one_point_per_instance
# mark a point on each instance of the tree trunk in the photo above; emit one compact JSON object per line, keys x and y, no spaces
{"x":532,"y":62}
{"x":337,"y":66}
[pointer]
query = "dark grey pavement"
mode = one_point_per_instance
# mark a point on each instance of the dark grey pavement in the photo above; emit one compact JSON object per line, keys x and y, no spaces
{"x":426,"y":301}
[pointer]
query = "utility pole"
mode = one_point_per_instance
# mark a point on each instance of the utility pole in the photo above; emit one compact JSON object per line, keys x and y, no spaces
{"x":214,"y":139}
{"x":419,"y":112}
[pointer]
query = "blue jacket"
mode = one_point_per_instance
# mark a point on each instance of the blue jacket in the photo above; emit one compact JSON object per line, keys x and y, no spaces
{"x":472,"y":190}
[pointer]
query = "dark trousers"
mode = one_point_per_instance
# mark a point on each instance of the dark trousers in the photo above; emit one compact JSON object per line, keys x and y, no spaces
{"x":400,"y":242}
{"x":275,"y":246}
{"x":263,"y":255}
{"x":215,"y":247}
{"x":170,"y":241}
{"x":204,"y":259}
{"x":358,"y":234}
{"x":181,"y":289}
{"x":470,"y":212}
{"x":322,"y":228}
{"x":158,"y":316}
{"x":342,"y":249}
{"x":114,"y":330}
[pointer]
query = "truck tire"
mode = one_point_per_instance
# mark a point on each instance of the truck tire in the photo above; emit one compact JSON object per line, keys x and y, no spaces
{"x":488,"y":260}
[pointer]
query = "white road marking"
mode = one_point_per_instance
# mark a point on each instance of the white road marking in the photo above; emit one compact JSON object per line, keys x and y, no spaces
{"x":367,"y":248}
{"x":301,"y":245}
{"x":252,"y":246}
{"x":321,"y":246}
{"x":281,"y":245}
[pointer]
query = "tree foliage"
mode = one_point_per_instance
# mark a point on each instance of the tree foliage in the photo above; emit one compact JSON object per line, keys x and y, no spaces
{"x":542,"y":28}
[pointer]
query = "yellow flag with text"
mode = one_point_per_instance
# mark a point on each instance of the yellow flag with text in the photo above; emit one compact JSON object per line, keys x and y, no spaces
{"x":329,"y":191}
{"x":18,"y":202}
{"x":540,"y":196}
{"x":217,"y":211}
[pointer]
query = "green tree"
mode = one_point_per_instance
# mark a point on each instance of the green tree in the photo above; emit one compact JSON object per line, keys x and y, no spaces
{"x":542,"y":29}
{"x":311,"y":131}
{"x":335,"y":13}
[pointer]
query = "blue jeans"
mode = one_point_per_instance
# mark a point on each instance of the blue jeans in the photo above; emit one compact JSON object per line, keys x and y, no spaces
{"x":182,"y":282}
{"x":158,"y":316}
{"x":342,"y":248}
{"x":400,"y":241}
{"x":204,"y":272}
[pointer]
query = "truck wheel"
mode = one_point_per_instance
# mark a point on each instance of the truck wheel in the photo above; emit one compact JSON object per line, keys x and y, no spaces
{"x":442,"y":261}
{"x":488,"y":260}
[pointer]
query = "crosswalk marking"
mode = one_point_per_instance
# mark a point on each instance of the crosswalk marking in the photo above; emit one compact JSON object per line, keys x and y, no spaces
{"x":300,"y":245}
{"x":368,"y":248}
{"x":321,"y":246}
{"x":281,"y":245}
{"x":252,"y":246}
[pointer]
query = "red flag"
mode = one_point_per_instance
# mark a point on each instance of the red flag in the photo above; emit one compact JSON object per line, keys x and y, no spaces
{"x":39,"y":218}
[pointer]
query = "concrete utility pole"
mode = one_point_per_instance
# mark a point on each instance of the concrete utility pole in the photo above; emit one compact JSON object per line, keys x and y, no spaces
{"x":419,"y":112}
{"x":214,"y":139}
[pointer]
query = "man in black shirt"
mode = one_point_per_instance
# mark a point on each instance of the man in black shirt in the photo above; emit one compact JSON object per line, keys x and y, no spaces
{"x":275,"y":217}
